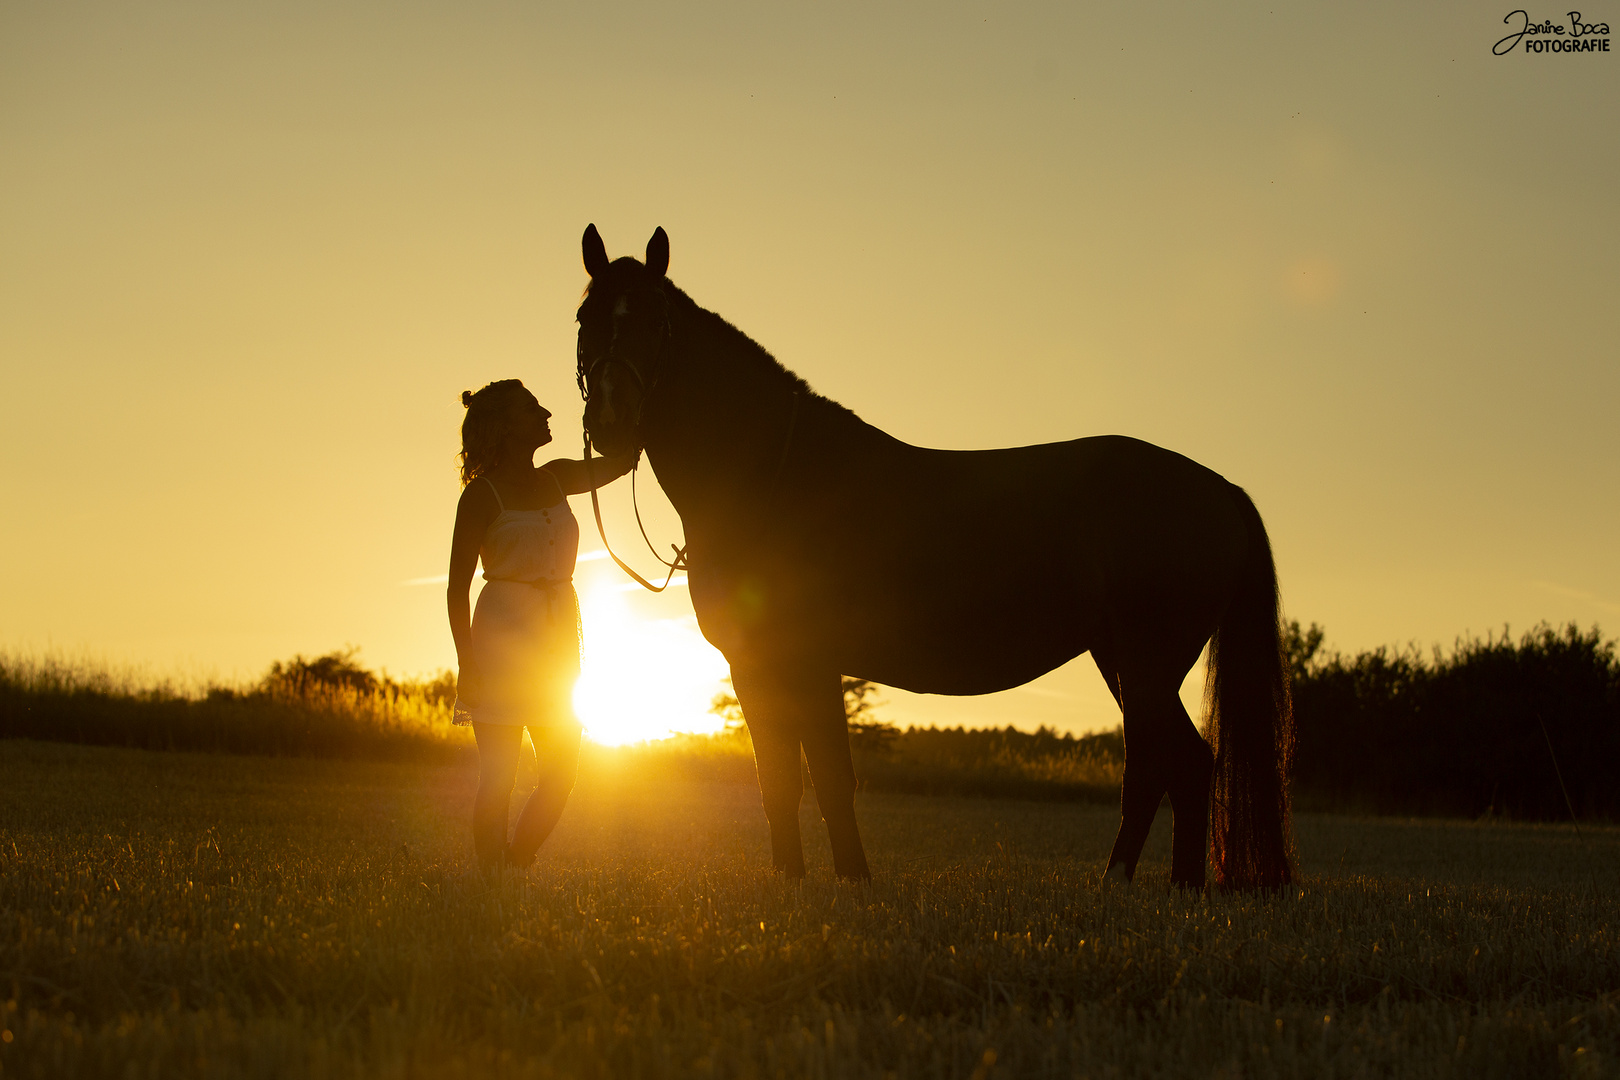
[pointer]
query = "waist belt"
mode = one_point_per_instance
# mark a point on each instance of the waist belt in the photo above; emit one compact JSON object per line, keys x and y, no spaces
{"x":552,"y":588}
{"x":540,"y":583}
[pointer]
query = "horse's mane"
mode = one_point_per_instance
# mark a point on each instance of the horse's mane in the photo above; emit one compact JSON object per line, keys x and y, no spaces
{"x":729,"y":347}
{"x":740,"y":349}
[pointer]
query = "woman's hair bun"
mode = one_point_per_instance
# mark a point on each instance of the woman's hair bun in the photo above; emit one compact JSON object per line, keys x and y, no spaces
{"x":466,"y":399}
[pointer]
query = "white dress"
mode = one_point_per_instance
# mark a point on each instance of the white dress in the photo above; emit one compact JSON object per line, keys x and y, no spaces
{"x":525,"y":631}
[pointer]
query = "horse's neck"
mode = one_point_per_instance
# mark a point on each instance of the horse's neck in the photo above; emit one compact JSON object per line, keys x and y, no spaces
{"x":727,"y":421}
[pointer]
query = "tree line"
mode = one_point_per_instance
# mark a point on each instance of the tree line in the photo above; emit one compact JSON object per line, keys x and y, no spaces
{"x":1525,"y":728}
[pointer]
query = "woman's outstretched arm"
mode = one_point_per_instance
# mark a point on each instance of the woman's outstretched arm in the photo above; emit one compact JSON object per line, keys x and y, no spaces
{"x":576,"y":477}
{"x":474,"y":512}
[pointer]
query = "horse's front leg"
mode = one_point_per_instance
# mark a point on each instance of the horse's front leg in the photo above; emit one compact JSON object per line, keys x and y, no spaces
{"x":776,"y":760}
{"x":787,"y":706}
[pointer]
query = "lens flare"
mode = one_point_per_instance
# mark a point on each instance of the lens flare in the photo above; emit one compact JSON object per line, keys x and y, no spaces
{"x":642,"y":678}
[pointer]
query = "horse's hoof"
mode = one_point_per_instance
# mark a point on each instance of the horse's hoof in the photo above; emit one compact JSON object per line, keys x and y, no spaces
{"x":1117,"y":875}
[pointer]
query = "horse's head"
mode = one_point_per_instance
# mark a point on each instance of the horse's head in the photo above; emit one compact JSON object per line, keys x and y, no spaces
{"x":623,"y":325}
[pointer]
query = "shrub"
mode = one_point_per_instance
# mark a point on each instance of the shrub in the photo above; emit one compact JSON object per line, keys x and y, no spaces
{"x":1528,"y":729}
{"x":326,"y":707}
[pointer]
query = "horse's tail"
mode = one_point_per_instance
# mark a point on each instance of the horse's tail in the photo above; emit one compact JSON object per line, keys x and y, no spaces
{"x":1251,"y":725}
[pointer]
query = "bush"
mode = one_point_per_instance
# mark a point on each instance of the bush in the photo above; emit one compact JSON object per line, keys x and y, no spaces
{"x":326,"y":707}
{"x":1527,"y":729}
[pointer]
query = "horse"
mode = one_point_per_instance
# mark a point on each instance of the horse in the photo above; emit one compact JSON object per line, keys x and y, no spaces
{"x":819,"y":546}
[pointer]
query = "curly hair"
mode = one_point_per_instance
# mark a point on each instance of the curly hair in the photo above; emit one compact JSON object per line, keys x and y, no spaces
{"x":483,"y":432}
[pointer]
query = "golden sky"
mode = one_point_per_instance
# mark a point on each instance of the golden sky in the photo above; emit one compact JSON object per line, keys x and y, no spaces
{"x":250,"y":255}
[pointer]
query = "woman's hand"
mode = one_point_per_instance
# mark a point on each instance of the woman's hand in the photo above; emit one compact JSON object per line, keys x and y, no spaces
{"x":469,"y":685}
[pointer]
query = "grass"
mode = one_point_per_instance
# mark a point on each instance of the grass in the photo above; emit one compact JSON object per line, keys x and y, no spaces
{"x":183,"y":914}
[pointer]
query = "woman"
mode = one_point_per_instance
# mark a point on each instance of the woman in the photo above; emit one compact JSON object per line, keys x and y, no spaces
{"x":519,"y":655}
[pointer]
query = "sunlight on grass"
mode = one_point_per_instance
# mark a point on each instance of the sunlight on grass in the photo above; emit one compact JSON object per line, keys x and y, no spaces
{"x":643,"y":678}
{"x":187,"y":915}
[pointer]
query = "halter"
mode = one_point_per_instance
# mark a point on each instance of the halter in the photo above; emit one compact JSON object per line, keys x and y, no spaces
{"x":583,"y":377}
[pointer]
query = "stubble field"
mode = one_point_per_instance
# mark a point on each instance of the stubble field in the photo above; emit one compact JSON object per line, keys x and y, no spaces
{"x":168,"y":914}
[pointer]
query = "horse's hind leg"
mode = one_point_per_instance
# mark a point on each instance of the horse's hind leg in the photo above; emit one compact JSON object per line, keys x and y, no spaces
{"x":1192,"y":769}
{"x":1163,"y":754}
{"x":826,"y":749}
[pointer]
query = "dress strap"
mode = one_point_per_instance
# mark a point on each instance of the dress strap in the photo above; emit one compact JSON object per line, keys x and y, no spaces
{"x":555,"y":481}
{"x":497,"y":492}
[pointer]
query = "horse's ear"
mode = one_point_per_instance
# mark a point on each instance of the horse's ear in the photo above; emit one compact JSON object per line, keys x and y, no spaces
{"x":658,"y":252}
{"x":596,"y":260}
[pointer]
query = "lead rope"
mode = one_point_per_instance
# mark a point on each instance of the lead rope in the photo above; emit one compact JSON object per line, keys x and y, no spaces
{"x":596,"y":509}
{"x":679,"y":562}
{"x":635,"y":504}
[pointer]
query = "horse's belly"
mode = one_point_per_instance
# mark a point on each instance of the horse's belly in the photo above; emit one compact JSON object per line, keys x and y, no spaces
{"x":948,"y":642}
{"x":969,"y":677}
{"x":973,"y":648}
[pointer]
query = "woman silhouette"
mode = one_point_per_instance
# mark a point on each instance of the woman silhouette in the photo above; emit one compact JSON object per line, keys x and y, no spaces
{"x":519,"y":655}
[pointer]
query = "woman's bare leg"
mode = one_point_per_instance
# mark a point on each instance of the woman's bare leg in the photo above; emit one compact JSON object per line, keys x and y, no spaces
{"x":498,"y":746}
{"x":557,"y":755}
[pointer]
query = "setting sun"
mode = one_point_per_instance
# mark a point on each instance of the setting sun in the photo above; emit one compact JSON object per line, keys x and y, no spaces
{"x":642,"y":678}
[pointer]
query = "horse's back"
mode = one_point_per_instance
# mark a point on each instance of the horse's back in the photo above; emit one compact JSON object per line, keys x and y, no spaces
{"x":982,"y":569}
{"x":1100,"y":504}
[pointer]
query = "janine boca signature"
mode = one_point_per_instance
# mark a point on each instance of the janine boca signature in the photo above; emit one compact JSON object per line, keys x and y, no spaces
{"x":1549,"y":36}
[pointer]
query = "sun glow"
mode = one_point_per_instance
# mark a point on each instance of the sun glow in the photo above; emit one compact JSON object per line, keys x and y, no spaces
{"x":642,"y":678}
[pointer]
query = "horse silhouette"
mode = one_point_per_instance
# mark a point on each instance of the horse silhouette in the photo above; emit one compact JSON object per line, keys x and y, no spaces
{"x":820,"y":546}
